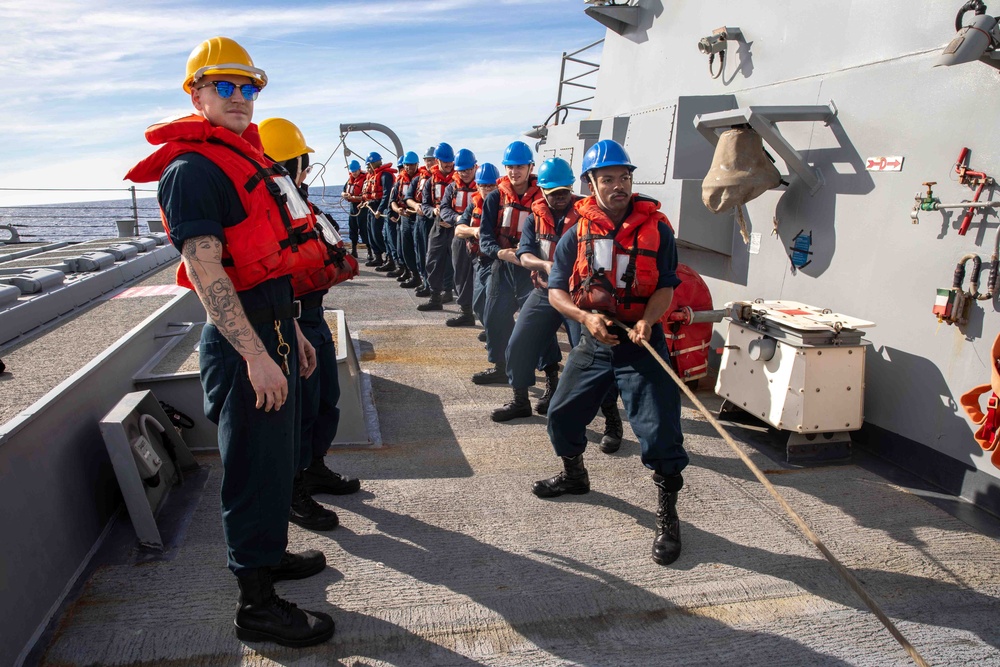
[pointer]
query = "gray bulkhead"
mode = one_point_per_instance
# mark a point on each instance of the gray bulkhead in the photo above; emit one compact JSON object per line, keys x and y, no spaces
{"x":874,"y":60}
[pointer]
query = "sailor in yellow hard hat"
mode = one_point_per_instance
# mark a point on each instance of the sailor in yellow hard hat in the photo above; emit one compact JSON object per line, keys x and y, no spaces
{"x":231,"y":211}
{"x":320,"y":392}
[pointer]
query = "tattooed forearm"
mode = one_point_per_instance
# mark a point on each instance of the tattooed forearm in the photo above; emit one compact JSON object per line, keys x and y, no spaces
{"x":203,"y":259}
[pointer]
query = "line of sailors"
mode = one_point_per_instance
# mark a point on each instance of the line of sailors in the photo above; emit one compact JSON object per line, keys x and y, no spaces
{"x":423,"y":226}
{"x":256,"y":251}
{"x":525,"y":245}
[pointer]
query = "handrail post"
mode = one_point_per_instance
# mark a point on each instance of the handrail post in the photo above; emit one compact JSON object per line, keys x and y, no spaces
{"x":135,"y":211}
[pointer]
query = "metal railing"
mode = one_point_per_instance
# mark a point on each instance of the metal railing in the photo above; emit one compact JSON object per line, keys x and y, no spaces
{"x":75,"y":220}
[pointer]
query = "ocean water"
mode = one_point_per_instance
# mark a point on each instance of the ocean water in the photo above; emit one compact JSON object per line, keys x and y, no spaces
{"x":82,"y":221}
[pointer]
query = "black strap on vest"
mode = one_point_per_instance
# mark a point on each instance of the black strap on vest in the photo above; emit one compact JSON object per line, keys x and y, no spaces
{"x":264,"y":174}
{"x":628,"y":276}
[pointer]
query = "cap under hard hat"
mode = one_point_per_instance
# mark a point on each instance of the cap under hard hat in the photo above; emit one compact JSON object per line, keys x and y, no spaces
{"x":555,"y":173}
{"x":221,"y":55}
{"x":282,"y":139}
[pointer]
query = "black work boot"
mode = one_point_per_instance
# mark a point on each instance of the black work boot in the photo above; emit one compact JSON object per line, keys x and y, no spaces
{"x":551,"y":382}
{"x":388,"y":267}
{"x":433,"y":304}
{"x":374,"y":260}
{"x":317,"y":478}
{"x":422,"y":291}
{"x":466,"y":319}
{"x":448,"y":296}
{"x":495,"y":375}
{"x":667,"y":544}
{"x":517,"y":408}
{"x":613,"y":430}
{"x":411,"y":282}
{"x":262,"y":616}
{"x":404,"y":275}
{"x":354,"y":250}
{"x":573,"y":479}
{"x":308,"y":513}
{"x":482,"y":336}
{"x":299,"y":566}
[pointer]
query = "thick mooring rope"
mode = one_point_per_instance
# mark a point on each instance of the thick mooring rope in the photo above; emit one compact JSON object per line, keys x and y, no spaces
{"x":844,"y":573}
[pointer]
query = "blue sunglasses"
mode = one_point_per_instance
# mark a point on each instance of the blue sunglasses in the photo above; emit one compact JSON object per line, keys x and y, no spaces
{"x":225,"y":89}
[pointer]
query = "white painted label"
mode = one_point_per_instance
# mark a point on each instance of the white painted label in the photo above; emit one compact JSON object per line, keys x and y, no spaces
{"x":884,"y":163}
{"x":755,"y":243}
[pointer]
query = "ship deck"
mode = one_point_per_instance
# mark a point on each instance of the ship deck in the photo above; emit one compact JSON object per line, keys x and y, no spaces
{"x":445,"y":557}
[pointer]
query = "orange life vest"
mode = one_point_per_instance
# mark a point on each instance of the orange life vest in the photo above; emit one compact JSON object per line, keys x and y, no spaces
{"x":688,"y":343}
{"x":423,"y":175}
{"x":403,"y":181}
{"x":337,"y":267}
{"x":545,"y":233}
{"x":278,"y":237}
{"x":545,"y":226}
{"x":439,"y":182}
{"x":513,"y":210}
{"x":988,"y":432}
{"x":476,"y":219}
{"x":463,"y":193}
{"x":373,"y":190}
{"x":615,"y":269}
{"x":355,"y":184}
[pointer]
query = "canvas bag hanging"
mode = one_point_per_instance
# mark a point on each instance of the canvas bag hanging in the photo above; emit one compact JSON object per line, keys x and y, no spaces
{"x":740,"y":172}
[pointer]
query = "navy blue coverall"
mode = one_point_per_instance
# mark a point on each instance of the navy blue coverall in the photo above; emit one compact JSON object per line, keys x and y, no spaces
{"x":421,"y":229}
{"x":258,"y":448}
{"x":652,"y":401}
{"x":508,"y":289}
{"x":538,"y":322}
{"x":440,"y":272}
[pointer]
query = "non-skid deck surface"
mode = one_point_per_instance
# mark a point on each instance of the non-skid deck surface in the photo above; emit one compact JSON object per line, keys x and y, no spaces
{"x":446,"y":559}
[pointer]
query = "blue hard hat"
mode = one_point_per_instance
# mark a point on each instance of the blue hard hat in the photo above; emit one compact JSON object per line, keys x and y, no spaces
{"x":465,"y":159}
{"x":373,"y":157}
{"x":487,"y":174}
{"x":354,"y":166}
{"x":411,"y":158}
{"x":555,"y":173}
{"x":517,"y":153}
{"x":444,"y":152}
{"x":606,"y":153}
{"x":399,"y":162}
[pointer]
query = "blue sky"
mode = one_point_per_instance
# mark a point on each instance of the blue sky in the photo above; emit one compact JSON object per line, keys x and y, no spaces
{"x":83,"y":79}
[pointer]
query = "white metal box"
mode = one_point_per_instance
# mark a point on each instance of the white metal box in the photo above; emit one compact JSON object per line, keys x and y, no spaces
{"x":797,"y":367}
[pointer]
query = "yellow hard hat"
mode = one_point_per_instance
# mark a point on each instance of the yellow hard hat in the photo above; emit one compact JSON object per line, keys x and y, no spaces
{"x":282,"y":140}
{"x":221,"y":55}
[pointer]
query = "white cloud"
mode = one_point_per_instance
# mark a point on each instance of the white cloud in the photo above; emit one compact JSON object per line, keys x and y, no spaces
{"x":83,"y":80}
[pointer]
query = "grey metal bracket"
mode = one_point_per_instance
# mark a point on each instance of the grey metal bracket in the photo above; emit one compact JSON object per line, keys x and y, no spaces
{"x":617,"y":17}
{"x":763,"y":120}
